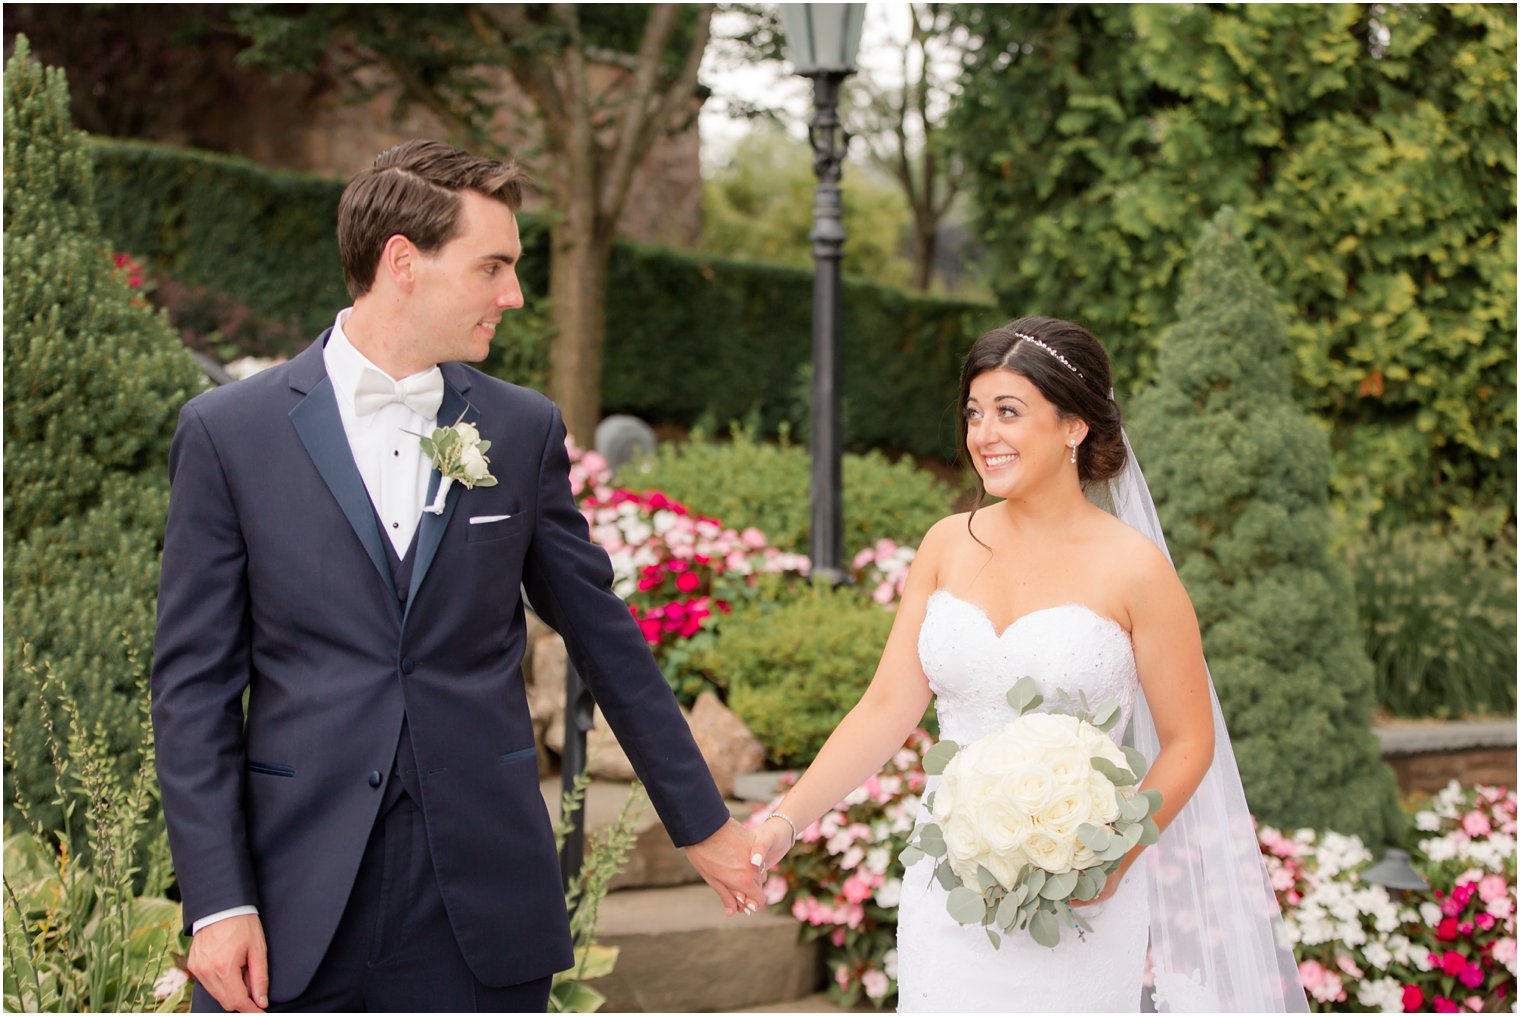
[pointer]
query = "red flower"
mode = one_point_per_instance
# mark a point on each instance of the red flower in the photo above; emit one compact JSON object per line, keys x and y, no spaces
{"x":687,"y":582}
{"x":1446,"y":931}
{"x":1413,"y":998}
{"x":1446,"y":1005}
{"x":1453,"y":962}
{"x":651,"y":629}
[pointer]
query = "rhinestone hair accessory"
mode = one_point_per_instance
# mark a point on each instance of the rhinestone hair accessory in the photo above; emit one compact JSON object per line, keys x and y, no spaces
{"x":1051,"y":351}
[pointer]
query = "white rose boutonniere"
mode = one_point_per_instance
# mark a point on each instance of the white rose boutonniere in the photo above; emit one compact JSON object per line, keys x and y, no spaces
{"x":458,"y":454}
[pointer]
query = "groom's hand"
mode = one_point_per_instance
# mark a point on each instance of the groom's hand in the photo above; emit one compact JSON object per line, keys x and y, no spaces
{"x":230,"y":961}
{"x":723,"y":862}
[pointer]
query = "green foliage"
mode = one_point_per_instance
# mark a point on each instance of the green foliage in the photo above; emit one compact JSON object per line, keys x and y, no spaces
{"x":585,"y":893}
{"x":746,"y":482}
{"x":89,"y":931}
{"x":740,"y":333}
{"x":1240,"y":476}
{"x":1374,"y":143}
{"x":93,"y":379}
{"x":1437,"y":611}
{"x":759,"y":207}
{"x":792,"y":669}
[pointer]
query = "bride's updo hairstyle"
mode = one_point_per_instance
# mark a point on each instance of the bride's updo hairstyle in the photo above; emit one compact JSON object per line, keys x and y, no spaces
{"x":1071,"y":370}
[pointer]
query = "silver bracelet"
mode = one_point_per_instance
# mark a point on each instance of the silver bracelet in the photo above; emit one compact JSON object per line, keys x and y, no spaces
{"x":789,"y":823}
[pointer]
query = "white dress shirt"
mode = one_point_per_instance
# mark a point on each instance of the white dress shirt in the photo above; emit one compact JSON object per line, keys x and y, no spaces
{"x":391,"y":462}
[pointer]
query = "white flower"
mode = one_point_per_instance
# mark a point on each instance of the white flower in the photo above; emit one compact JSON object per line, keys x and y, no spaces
{"x":468,"y":433}
{"x":889,"y":963}
{"x":472,"y":462}
{"x":170,"y":982}
{"x":1427,"y":821}
{"x":1382,"y":995}
{"x":1430,"y":913}
{"x":889,"y":893}
{"x":1378,"y":955}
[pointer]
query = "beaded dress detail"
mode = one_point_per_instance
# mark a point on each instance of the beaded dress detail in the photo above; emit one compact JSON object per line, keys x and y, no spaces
{"x":945,"y":967}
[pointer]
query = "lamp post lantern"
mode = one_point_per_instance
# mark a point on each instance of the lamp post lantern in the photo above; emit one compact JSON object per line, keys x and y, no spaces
{"x":821,"y":42}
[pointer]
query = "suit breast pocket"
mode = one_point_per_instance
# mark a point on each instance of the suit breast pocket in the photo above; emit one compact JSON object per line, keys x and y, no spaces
{"x":486,"y":528}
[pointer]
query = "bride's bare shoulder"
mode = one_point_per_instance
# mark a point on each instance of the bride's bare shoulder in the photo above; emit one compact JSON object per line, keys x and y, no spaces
{"x":1132,"y":548}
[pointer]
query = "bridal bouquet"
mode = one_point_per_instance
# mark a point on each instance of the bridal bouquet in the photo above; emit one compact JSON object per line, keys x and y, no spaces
{"x":1033,"y":816}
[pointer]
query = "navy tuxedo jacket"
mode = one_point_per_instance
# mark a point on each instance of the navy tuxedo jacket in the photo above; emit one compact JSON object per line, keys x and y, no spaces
{"x":275,"y":582}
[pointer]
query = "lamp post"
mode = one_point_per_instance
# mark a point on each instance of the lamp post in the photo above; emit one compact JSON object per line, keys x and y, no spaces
{"x":821,"y":42}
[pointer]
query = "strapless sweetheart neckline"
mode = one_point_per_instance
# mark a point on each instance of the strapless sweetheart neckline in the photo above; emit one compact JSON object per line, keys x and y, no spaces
{"x":982,"y":612}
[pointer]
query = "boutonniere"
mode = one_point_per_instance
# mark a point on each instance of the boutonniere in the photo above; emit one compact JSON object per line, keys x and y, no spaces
{"x":458,"y":454}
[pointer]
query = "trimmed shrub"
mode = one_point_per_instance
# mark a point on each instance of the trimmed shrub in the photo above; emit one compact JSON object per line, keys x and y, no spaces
{"x":1241,"y":478}
{"x":747,"y":482}
{"x":93,"y":380}
{"x":792,"y":669}
{"x":1437,"y":613}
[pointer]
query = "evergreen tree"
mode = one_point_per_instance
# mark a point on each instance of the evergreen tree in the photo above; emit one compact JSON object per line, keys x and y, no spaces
{"x":1241,"y":481}
{"x":93,"y":382}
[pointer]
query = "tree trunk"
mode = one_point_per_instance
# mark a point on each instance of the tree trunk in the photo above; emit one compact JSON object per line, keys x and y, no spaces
{"x":925,"y":247}
{"x":579,"y":253}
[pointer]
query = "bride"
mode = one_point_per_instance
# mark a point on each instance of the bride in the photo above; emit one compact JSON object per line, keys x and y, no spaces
{"x":1047,"y":584}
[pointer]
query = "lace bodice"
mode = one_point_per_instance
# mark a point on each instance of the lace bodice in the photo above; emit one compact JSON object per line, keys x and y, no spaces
{"x":971,"y":665}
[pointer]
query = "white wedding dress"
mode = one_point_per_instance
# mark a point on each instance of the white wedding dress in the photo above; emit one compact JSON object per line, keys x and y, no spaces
{"x":945,"y":967}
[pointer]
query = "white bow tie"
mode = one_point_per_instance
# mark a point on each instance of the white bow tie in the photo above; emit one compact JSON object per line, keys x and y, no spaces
{"x":421,"y":393}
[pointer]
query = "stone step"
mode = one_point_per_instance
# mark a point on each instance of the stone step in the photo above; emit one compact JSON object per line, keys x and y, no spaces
{"x":677,"y":952}
{"x":654,"y":861}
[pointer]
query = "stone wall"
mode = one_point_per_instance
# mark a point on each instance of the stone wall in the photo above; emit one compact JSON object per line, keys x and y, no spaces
{"x":1427,"y":756}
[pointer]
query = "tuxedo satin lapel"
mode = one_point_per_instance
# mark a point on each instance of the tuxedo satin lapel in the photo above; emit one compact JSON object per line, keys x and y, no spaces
{"x":454,"y":408}
{"x":320,"y":428}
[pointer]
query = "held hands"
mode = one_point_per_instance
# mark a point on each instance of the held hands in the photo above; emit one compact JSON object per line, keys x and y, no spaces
{"x":229,"y":959}
{"x":773,"y":839}
{"x":723,"y":861}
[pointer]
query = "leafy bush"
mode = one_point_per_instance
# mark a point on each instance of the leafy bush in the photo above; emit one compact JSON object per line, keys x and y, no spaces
{"x":792,"y":668}
{"x":1373,"y":144}
{"x":1241,"y":481}
{"x":93,"y":380}
{"x":1437,"y":611}
{"x":748,"y":482}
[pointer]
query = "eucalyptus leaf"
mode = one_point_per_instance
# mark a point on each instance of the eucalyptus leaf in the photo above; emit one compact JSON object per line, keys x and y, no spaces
{"x":1044,"y":929}
{"x":932,"y":841}
{"x":994,"y":938}
{"x":1150,"y":832}
{"x":965,"y":906}
{"x":929,"y":801}
{"x":911,"y":856}
{"x":1154,"y":796}
{"x":1117,"y":849}
{"x":1133,"y":809}
{"x":1136,"y":759}
{"x":1118,"y":777}
{"x":1106,"y":715}
{"x":1024,"y":691}
{"x":1058,"y":887}
{"x":1086,"y":887}
{"x":1036,"y":881}
{"x":985,"y":878}
{"x":945,"y":875}
{"x":1007,"y":913}
{"x":1134,"y":833}
{"x":939,"y":756}
{"x":1094,"y":837}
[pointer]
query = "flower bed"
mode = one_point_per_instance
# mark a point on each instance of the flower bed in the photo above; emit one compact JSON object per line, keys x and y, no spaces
{"x":1360,"y":949}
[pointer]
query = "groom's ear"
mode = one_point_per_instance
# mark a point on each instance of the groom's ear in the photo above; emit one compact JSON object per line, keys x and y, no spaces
{"x":398,"y":262}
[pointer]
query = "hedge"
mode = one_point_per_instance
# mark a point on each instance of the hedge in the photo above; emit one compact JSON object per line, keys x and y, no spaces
{"x":735,"y":344}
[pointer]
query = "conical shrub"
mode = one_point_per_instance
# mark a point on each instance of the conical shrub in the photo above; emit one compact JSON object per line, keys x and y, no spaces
{"x":93,"y":382}
{"x":1241,"y":481}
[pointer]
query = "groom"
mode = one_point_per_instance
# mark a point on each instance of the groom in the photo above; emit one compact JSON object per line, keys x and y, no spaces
{"x":343,"y":739}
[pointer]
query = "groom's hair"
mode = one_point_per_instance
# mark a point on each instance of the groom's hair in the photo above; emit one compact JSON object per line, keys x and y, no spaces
{"x":413,"y":190}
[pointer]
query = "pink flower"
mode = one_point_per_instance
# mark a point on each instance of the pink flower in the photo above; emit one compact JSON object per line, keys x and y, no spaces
{"x":875,"y":983}
{"x":1312,"y":974}
{"x":862,"y":559}
{"x":1485,"y":921}
{"x":837,"y":937}
{"x":1347,"y":966}
{"x":1451,"y":906}
{"x":1446,"y":1005}
{"x":1492,"y":887}
{"x":752,"y":538}
{"x":856,"y":889}
{"x":775,"y":890}
{"x":688,"y":582}
{"x":1446,"y":931}
{"x":1453,"y":962}
{"x":1475,"y":823}
{"x":1471,"y":976}
{"x":884,"y":593}
{"x":842,"y":977}
{"x":1413,"y":998}
{"x":1474,"y":1002}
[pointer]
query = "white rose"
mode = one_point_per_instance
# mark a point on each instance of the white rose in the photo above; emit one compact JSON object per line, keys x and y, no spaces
{"x":1046,"y":730}
{"x":472,"y":462}
{"x":1050,"y":851}
{"x":1031,"y":789}
{"x":1066,"y":810}
{"x":468,"y":434}
{"x":1104,"y":798}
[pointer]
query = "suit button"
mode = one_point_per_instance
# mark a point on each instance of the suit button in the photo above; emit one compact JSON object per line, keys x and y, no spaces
{"x":374,"y":778}
{"x":408,"y":665}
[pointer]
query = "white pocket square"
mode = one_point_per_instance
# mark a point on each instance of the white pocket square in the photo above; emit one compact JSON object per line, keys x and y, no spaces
{"x":476,"y":520}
